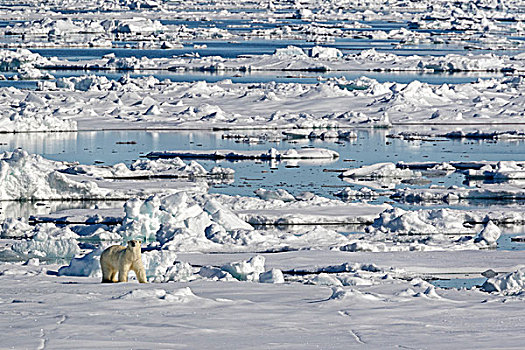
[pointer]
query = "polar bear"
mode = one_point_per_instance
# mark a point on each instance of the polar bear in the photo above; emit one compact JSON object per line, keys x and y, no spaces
{"x":121,"y":259}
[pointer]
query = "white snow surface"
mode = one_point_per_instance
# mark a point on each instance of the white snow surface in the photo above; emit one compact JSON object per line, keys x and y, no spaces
{"x":217,"y":281}
{"x":386,"y":301}
{"x":380,"y":170}
{"x":455,"y":193}
{"x":96,"y":103}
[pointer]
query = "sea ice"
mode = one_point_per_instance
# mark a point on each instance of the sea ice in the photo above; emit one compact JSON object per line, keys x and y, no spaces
{"x":507,"y":284}
{"x":25,"y":176}
{"x":249,"y":270}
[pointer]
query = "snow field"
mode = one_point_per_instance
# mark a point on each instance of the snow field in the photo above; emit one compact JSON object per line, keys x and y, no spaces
{"x":276,"y":269}
{"x":94,"y":102}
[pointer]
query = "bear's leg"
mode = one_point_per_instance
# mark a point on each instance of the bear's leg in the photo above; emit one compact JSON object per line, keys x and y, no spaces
{"x":139,"y":271}
{"x":113,"y":276}
{"x":123,"y":272}
{"x":107,"y":273}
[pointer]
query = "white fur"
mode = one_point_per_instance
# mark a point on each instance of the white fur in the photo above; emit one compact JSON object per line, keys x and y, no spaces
{"x":120,"y":259}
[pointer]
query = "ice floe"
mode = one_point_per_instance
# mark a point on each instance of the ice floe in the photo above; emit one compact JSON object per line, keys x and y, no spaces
{"x":293,"y":58}
{"x":362,"y":193}
{"x":506,"y":284}
{"x":304,"y":153}
{"x":97,"y":103}
{"x":31,"y":177}
{"x":379,"y":170}
{"x":261,"y":280}
{"x":454,"y":194}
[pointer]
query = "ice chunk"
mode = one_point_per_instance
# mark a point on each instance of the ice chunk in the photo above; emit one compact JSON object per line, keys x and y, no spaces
{"x":157,"y":263}
{"x":434,"y":221}
{"x":215,"y":273}
{"x":289,"y":52}
{"x":32,"y":177}
{"x":15,"y":228}
{"x":326,"y":52}
{"x":272,"y":276}
{"x":325,"y":279}
{"x":279,"y":194}
{"x":363,"y":192}
{"x":179,"y":272}
{"x":489,"y":234}
{"x":86,"y":266}
{"x":379,"y":170}
{"x":225,"y":217}
{"x":48,"y":242}
{"x":249,"y":270}
{"x":507,"y":284}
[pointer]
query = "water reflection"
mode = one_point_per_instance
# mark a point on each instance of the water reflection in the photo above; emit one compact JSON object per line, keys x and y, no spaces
{"x":288,"y":77}
{"x":371,"y":146}
{"x":40,"y":143}
{"x":16,"y":209}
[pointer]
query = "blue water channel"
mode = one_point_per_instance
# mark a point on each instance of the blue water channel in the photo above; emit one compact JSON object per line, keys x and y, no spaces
{"x":370,"y":147}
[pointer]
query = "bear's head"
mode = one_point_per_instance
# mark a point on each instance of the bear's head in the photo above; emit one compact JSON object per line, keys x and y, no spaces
{"x":134,"y":245}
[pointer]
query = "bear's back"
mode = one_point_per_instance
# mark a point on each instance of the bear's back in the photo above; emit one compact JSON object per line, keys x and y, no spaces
{"x":112,"y":252}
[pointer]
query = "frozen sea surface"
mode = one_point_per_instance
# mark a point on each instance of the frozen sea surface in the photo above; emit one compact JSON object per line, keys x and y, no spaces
{"x":425,"y":274}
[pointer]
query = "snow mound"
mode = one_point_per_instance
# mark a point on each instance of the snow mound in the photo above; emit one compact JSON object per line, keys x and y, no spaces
{"x":279,"y":194}
{"x":48,"y":242}
{"x":249,"y":270}
{"x":379,"y":170}
{"x":182,"y":295}
{"x":324,"y":279}
{"x":272,"y":276}
{"x":508,"y":284}
{"x":178,"y":221}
